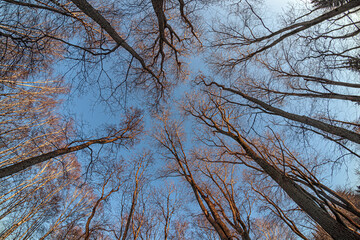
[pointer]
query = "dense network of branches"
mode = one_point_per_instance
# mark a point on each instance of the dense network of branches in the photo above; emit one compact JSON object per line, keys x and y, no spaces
{"x":222,"y":121}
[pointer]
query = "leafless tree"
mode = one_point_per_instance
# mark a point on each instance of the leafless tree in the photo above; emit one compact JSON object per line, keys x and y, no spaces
{"x":215,"y":191}
{"x":151,"y":47}
{"x":54,"y":195}
{"x":320,"y":202}
{"x":310,"y":59}
{"x":246,"y":176}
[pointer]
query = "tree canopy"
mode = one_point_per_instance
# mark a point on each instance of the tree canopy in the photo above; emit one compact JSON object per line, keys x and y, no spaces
{"x":221,"y":119}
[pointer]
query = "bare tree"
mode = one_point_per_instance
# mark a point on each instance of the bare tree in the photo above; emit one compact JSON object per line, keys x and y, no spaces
{"x":51,"y":196}
{"x":39,"y":171}
{"x":215,"y":196}
{"x":246,"y":176}
{"x":302,"y":186}
{"x":152,"y":47}
{"x":124,"y":134}
{"x":310,"y":59}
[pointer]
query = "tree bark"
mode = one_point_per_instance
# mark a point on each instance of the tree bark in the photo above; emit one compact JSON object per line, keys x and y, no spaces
{"x":296,"y":193}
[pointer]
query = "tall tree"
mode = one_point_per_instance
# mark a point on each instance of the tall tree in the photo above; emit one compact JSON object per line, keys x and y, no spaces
{"x":287,"y":78}
{"x":150,"y":48}
{"x":247,"y":175}
{"x":212,"y":183}
{"x":222,"y":118}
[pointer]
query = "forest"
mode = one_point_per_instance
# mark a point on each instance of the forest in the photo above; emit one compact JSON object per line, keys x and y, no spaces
{"x":179,"y":119}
